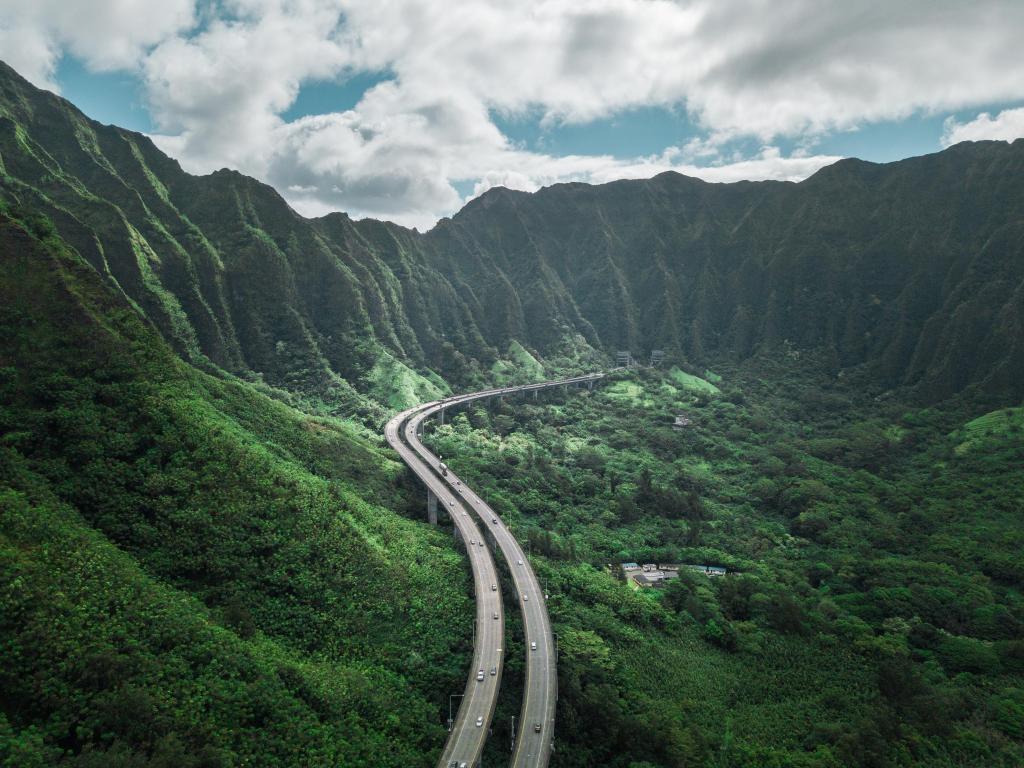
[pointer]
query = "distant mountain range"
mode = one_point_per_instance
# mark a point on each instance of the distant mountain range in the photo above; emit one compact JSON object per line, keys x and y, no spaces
{"x":911,"y":271}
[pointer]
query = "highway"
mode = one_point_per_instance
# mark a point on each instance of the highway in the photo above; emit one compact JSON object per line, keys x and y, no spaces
{"x":536,"y":723}
{"x":466,"y":741}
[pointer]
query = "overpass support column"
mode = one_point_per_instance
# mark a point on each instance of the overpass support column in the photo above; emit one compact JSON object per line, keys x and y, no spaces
{"x":590,"y":384}
{"x":535,"y":393}
{"x":441,"y":412}
{"x":431,"y":507}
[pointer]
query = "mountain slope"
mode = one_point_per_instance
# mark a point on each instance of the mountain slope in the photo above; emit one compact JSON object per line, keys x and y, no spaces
{"x":913,"y":270}
{"x":194,"y":573}
{"x":202,"y":566}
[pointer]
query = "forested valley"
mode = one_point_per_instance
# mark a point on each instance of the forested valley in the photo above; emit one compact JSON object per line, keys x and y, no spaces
{"x":210,"y":558}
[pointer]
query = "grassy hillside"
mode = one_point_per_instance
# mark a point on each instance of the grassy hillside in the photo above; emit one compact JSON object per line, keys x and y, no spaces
{"x":873,"y":611}
{"x":194,"y":573}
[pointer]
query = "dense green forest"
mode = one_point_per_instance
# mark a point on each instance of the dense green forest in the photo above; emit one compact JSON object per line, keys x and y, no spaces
{"x":872,"y":613}
{"x":194,"y":573}
{"x":209,"y":558}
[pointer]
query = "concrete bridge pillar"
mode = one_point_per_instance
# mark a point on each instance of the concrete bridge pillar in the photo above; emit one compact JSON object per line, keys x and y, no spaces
{"x":535,"y":393}
{"x":431,"y":507}
{"x":590,"y":384}
{"x":441,"y":412}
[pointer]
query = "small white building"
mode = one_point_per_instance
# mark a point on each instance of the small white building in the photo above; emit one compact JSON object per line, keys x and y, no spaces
{"x":652,"y":579}
{"x":708,"y":570}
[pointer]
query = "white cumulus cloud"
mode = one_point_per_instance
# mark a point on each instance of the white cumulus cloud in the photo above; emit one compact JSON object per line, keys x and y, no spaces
{"x":1005,"y":126}
{"x":740,"y":70}
{"x":105,"y":35}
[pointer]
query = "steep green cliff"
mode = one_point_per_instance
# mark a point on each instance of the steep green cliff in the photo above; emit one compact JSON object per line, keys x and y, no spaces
{"x":914,"y":270}
{"x":193,"y":573}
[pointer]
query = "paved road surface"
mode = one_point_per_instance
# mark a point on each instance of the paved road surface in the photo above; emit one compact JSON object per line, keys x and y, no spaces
{"x":536,"y":724}
{"x":466,"y":742}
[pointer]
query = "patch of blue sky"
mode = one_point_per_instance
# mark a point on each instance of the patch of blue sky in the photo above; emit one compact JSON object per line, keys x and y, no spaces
{"x":887,"y":141}
{"x":116,"y":98}
{"x":632,"y":133}
{"x":651,"y":130}
{"x":325,"y":96}
{"x":464,"y":187}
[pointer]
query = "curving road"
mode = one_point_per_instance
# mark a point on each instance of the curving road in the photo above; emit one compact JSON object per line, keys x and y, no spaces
{"x":536,"y":723}
{"x":466,"y":742}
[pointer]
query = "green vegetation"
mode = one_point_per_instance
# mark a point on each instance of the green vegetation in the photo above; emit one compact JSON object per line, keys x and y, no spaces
{"x":204,"y":559}
{"x":521,"y":367}
{"x":194,"y":574}
{"x":515,"y":284}
{"x":989,"y":431}
{"x":693,"y":383}
{"x":872,"y":615}
{"x":400,"y":387}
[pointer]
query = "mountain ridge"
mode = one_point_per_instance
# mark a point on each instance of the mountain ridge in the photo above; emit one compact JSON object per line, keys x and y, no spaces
{"x":891,"y":268}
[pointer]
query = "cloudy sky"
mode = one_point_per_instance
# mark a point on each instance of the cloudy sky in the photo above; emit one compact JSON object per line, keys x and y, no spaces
{"x":405,"y":109}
